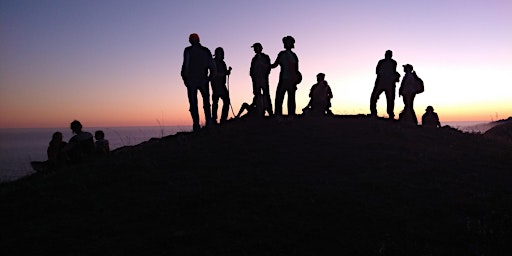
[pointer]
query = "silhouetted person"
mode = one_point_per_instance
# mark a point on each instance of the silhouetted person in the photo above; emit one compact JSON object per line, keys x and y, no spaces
{"x":55,"y":152}
{"x":219,"y":89}
{"x":385,"y":82}
{"x":430,"y":119}
{"x":102,"y":145}
{"x":81,"y":145}
{"x":259,"y":72}
{"x":408,"y":90}
{"x":320,"y":95}
{"x":56,"y":156}
{"x":250,"y":108}
{"x":197,"y":70}
{"x":289,"y":76}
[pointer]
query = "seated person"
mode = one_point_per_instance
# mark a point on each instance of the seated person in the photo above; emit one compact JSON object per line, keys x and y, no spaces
{"x":430,"y":118}
{"x":102,"y":146}
{"x":320,"y":94}
{"x":81,"y":145}
{"x":56,"y":156}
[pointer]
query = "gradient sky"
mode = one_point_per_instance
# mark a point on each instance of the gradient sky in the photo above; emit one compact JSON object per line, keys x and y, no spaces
{"x":117,"y":62}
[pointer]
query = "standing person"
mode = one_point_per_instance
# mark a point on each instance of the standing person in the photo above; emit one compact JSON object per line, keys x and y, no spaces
{"x":81,"y":145}
{"x":430,"y":118}
{"x":259,"y":72}
{"x":219,"y":89}
{"x":289,"y":76}
{"x":320,"y":95}
{"x":197,"y":70}
{"x":385,"y":82}
{"x":409,"y":89}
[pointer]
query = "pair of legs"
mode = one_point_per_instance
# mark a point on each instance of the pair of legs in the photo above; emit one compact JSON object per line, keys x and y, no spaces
{"x":408,"y":114}
{"x":390,"y":99}
{"x":283,"y":87}
{"x":262,"y":99}
{"x":192,"y":88}
{"x":225,"y":106}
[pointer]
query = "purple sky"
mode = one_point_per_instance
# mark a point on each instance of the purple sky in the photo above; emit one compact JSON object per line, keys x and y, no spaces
{"x":117,"y":62}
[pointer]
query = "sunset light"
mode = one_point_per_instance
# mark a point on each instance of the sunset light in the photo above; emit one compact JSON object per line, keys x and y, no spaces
{"x":117,"y":63}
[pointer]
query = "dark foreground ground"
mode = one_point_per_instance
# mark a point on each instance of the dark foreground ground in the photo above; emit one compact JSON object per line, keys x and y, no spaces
{"x":341,"y":185}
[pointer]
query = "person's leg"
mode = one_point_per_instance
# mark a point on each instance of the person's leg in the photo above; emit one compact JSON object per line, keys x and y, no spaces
{"x":266,"y":100}
{"x":291,"y":101}
{"x":192,"y":99}
{"x":205,"y":93}
{"x":411,"y":106}
{"x":225,"y":108}
{"x":215,"y":106}
{"x":373,"y":100}
{"x":390,"y":100}
{"x":279,"y":99}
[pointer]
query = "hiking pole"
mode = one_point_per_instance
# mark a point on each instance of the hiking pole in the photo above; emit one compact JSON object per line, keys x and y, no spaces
{"x":232,"y":111}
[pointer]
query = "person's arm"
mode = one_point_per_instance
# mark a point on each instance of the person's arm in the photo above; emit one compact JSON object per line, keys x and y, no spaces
{"x":184,"y":66}
{"x":276,"y":63}
{"x":211,"y":66}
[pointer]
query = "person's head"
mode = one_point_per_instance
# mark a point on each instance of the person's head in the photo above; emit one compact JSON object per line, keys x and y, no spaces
{"x":219,"y":53}
{"x":388,"y":54}
{"x":193,"y":38}
{"x":408,"y":68}
{"x":320,"y":77}
{"x":257,"y":47}
{"x":289,"y":42}
{"x":429,"y":109}
{"x":76,"y":126}
{"x":57,"y":136}
{"x":99,"y":135}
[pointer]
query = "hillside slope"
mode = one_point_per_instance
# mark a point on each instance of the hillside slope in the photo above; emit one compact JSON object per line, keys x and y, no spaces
{"x":350,"y":185}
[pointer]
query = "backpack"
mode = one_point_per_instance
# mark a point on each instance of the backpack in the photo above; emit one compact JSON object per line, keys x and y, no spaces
{"x":420,"y":87}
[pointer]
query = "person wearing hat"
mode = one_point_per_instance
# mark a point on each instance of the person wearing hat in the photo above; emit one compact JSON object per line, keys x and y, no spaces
{"x":197,"y":70}
{"x":408,"y":90}
{"x":259,"y":72}
{"x":289,"y":76}
{"x":430,"y":119}
{"x":387,"y":77}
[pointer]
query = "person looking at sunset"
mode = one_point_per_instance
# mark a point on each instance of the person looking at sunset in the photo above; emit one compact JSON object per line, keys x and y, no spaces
{"x":259,"y":72}
{"x":197,"y":70}
{"x":81,"y":145}
{"x":387,"y":77}
{"x":289,"y":76}
{"x":408,"y":90}
{"x":430,"y":119}
{"x":219,"y":89}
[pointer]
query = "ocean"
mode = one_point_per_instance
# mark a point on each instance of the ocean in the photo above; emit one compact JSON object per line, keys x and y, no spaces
{"x":18,"y":147}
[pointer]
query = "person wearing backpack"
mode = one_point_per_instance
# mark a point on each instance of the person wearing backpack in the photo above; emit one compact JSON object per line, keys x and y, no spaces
{"x":410,"y":86}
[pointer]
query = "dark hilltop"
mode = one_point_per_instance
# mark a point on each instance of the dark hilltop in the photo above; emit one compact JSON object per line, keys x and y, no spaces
{"x":346,"y":185}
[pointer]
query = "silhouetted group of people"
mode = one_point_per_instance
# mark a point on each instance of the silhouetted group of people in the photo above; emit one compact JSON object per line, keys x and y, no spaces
{"x":200,"y":68}
{"x":411,"y":85}
{"x":80,"y":148}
